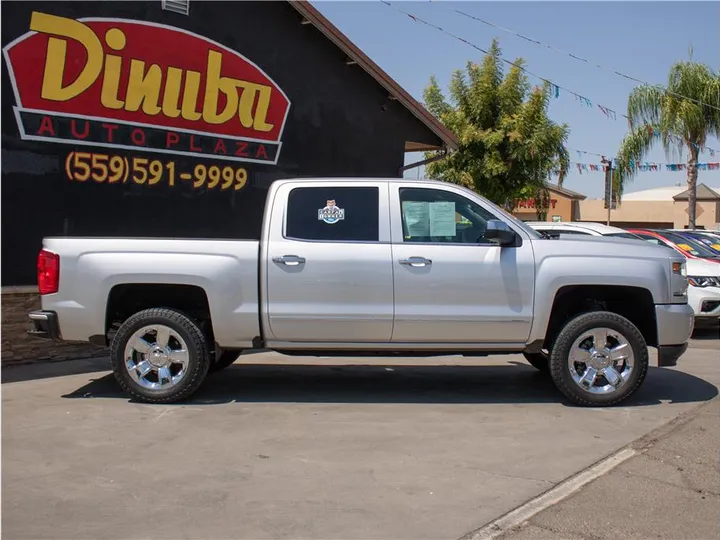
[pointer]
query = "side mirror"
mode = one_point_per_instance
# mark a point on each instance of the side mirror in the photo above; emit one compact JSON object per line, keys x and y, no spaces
{"x":499,"y":232}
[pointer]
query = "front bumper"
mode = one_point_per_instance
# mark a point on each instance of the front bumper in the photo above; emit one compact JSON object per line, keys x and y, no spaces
{"x":675,"y":324}
{"x":668,"y":354}
{"x":45,"y":325}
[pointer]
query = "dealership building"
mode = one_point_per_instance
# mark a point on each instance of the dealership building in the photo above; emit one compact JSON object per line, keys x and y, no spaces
{"x":171,"y":119}
{"x":661,"y":208}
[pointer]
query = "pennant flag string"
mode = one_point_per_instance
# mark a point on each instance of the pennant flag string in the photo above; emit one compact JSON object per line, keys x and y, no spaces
{"x":554,"y":87}
{"x":579,"y":58}
{"x":649,"y":166}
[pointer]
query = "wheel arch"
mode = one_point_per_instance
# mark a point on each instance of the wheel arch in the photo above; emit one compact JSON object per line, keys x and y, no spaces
{"x":634,"y":303}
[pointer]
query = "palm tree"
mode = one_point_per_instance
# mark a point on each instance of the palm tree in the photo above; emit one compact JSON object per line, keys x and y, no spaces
{"x":681,"y":116}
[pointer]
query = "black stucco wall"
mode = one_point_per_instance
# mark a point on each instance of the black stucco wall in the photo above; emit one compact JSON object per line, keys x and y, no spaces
{"x":341,"y":123}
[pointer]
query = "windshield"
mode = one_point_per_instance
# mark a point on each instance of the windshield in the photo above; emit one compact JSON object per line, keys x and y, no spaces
{"x":708,"y":241}
{"x":625,"y":235}
{"x":691,"y":246}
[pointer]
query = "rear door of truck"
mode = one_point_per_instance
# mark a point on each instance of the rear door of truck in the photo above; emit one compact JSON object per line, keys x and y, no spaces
{"x":328,"y":264}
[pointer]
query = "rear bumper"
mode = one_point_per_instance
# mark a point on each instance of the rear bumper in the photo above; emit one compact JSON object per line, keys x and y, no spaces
{"x":675,"y":324}
{"x":45,"y":325}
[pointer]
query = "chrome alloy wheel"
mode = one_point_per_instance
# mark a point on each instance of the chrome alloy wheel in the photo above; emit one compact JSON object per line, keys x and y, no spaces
{"x":156,"y":357}
{"x":601,"y":360}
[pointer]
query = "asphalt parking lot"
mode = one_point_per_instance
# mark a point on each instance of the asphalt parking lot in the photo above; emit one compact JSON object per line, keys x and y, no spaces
{"x":279,"y":447}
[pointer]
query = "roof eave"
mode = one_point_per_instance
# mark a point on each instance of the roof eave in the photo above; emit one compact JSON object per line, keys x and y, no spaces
{"x":307,"y":10}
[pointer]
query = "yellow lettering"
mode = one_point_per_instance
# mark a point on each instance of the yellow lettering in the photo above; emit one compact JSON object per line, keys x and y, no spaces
{"x":190,"y":96}
{"x":143,"y":87}
{"x":247,"y":99}
{"x":215,"y":84}
{"x":52,"y":86}
{"x":111,"y":83}
{"x":172,"y":93}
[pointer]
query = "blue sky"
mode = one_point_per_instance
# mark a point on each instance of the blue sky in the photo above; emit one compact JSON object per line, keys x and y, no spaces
{"x":640,"y":39}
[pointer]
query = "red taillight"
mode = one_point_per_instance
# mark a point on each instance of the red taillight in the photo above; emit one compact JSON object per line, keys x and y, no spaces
{"x":48,"y":272}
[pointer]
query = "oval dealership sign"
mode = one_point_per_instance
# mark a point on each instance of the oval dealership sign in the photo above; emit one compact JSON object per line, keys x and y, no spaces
{"x":98,"y":80}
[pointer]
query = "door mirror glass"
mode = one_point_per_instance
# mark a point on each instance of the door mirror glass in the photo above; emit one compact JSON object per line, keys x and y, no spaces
{"x":499,"y":233}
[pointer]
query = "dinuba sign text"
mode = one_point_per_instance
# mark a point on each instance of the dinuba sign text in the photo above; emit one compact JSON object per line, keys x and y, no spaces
{"x":142,"y":86}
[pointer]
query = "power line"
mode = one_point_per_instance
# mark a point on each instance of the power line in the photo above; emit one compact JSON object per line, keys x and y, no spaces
{"x":610,"y":113}
{"x":576,"y":57}
{"x":554,"y":88}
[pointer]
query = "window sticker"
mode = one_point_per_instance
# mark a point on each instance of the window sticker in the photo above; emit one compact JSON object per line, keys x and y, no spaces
{"x":417,"y":218}
{"x":442,"y":219}
{"x":331,"y":213}
{"x":687,"y":248}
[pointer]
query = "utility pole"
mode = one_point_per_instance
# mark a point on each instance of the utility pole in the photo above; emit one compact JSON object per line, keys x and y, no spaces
{"x":609,"y":191}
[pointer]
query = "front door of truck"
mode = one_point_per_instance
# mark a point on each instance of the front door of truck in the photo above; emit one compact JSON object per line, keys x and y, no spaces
{"x":328,"y":264}
{"x":451,"y":284}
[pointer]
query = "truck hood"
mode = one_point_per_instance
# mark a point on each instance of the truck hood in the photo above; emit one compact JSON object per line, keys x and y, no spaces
{"x":603,"y":246}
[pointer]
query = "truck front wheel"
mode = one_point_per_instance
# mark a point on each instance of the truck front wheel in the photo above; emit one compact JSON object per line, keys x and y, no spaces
{"x":160,"y":356}
{"x":599,"y":359}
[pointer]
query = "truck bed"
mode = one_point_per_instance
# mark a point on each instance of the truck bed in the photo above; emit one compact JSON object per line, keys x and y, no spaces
{"x":227,"y":270}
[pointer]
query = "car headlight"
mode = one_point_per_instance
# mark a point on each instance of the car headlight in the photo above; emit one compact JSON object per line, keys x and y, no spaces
{"x":704,"y":281}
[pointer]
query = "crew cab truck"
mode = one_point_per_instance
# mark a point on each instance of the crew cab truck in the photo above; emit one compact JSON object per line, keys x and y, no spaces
{"x":366,"y":267}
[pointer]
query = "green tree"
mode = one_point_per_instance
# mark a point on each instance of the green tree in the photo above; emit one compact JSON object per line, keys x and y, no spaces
{"x":508,"y":145}
{"x":665,"y":115}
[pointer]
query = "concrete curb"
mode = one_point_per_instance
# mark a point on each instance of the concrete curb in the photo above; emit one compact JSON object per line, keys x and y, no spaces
{"x":518,"y":516}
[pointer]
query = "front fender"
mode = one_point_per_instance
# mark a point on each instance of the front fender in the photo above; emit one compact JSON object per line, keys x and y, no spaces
{"x":556,"y":272}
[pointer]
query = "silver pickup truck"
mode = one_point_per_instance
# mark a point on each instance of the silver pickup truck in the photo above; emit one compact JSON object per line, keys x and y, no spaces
{"x":370,"y":267}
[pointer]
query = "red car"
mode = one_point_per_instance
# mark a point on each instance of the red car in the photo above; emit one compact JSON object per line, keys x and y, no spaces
{"x":690,"y":248}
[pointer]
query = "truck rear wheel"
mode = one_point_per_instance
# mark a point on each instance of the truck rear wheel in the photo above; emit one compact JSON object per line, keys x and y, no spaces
{"x":599,"y":359}
{"x":159,"y":355}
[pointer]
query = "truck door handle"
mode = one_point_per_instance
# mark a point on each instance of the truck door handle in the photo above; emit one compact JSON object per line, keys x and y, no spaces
{"x":289,"y":260}
{"x":416,"y":261}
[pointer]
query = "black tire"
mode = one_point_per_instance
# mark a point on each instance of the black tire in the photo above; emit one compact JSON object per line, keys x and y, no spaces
{"x":198,"y":355}
{"x":539,"y":361}
{"x":560,"y":371}
{"x":225,"y":360}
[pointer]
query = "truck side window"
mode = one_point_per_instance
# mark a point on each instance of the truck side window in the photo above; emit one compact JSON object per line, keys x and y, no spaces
{"x":333,"y":214}
{"x":438,"y":216}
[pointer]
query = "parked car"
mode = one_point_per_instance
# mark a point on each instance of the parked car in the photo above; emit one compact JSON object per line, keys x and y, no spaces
{"x":555,"y":229}
{"x":704,"y":291}
{"x":687,"y":246}
{"x":709,"y":240}
{"x":370,"y":267}
{"x":703,"y":282}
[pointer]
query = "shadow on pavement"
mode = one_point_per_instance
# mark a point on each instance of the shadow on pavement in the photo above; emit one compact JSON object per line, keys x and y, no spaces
{"x":706,"y":332}
{"x":45,"y":369}
{"x":513,"y":383}
{"x":50,"y":369}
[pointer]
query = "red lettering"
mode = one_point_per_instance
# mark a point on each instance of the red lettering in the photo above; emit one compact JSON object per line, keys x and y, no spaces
{"x":73,"y":129}
{"x":240,"y":149}
{"x":553,"y":202}
{"x":110,"y":131}
{"x":192,"y":145}
{"x":171,"y":139}
{"x":138,"y":137}
{"x":261,"y":152}
{"x":46,"y":126}
{"x":220,"y":147}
